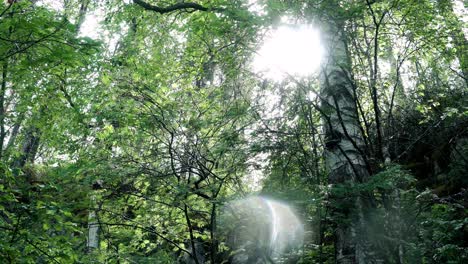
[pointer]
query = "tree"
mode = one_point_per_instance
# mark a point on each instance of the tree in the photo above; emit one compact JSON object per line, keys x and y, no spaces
{"x":344,"y":146}
{"x":127,"y":149}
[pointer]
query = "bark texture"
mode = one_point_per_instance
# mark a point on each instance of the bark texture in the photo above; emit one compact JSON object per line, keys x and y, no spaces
{"x":93,"y":228}
{"x":344,"y":154}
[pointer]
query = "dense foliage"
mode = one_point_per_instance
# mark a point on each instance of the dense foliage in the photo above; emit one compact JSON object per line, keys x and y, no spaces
{"x":126,"y":148}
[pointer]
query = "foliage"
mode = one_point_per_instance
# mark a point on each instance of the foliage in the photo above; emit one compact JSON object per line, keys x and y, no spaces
{"x":148,"y":131}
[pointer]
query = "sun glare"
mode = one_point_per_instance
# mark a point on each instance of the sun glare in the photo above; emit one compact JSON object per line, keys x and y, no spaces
{"x":90,"y":27}
{"x":270,"y":226}
{"x":289,"y":50}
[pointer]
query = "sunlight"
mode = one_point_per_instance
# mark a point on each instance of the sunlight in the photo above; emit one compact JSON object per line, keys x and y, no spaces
{"x":54,"y":5}
{"x":91,"y":26}
{"x":289,"y":50}
{"x":462,"y":13}
{"x":262,"y":224}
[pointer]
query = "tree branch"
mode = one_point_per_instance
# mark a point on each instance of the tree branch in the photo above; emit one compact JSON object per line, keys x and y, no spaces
{"x":182,"y":6}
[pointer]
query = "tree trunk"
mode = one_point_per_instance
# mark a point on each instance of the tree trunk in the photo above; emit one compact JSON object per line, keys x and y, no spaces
{"x":30,"y":147}
{"x":93,"y":227}
{"x":344,"y":143}
{"x":2,"y":106}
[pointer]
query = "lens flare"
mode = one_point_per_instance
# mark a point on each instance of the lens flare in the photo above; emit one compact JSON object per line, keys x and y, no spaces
{"x":260,"y":228}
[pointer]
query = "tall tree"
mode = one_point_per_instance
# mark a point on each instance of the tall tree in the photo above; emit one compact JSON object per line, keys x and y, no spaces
{"x":345,"y":156}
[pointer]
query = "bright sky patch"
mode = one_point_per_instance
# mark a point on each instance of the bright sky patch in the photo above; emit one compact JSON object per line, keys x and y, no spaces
{"x":290,"y":50}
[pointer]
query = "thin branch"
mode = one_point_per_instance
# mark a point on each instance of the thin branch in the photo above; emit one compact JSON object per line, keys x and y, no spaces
{"x":42,"y":251}
{"x":6,"y":9}
{"x":181,"y":6}
{"x":374,"y":73}
{"x":192,"y":238}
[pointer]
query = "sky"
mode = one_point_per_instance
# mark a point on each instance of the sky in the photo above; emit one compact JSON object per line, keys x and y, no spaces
{"x":291,"y":49}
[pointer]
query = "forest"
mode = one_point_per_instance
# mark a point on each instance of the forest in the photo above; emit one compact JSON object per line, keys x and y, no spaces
{"x":234,"y":131}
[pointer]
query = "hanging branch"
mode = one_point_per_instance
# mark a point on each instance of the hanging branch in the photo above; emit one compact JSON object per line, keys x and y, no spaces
{"x":374,"y":75}
{"x":182,"y":6}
